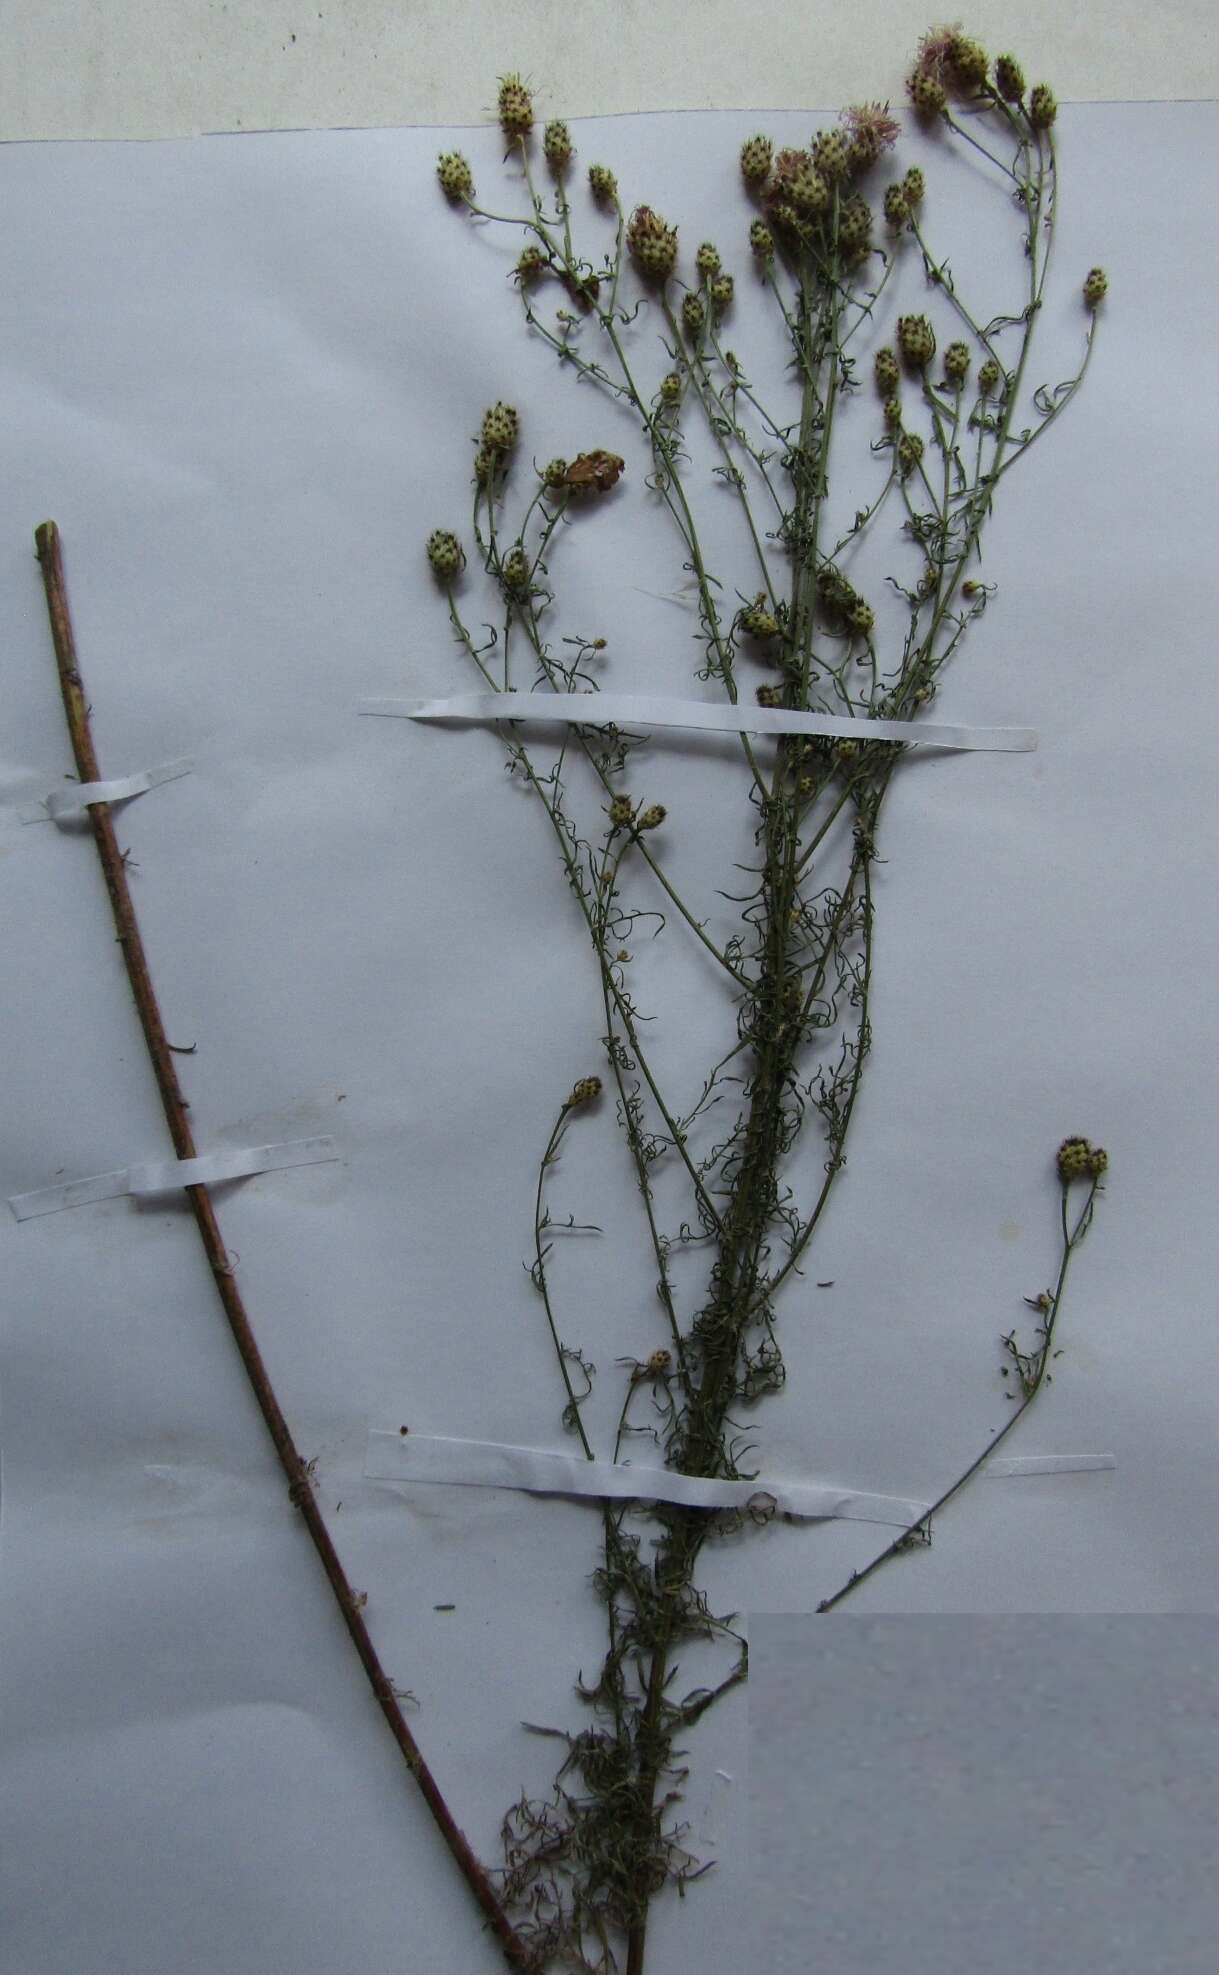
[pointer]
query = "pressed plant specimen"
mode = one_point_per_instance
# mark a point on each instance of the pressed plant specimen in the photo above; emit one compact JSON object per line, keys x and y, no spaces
{"x":934,"y":418}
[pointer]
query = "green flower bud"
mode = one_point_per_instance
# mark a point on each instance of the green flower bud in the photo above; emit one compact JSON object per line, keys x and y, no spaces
{"x":887,"y":373}
{"x":584,"y":1091}
{"x":500,"y":429}
{"x":722,"y":290}
{"x":670,"y":389}
{"x":515,"y":107}
{"x":693,"y":315}
{"x":445,"y":554}
{"x":707,"y":260}
{"x":652,"y":243}
{"x":1096,"y":287}
{"x":456,"y":179}
{"x":915,"y":340}
{"x":602,"y":184}
{"x":762,"y":240}
{"x":927,"y":93}
{"x":956,"y":363}
{"x":557,"y":146}
{"x":909,"y":453}
{"x":755,"y":160}
{"x":652,"y":817}
{"x":1009,"y":78}
{"x":1042,"y":107}
{"x":990,"y":377}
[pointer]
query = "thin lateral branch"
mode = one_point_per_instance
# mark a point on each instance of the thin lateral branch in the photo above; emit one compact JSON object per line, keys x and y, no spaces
{"x":300,"y":1489}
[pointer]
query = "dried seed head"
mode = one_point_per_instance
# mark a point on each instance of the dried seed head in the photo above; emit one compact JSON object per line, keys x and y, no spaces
{"x":531,"y":264}
{"x":832,"y":154}
{"x":707,"y":260}
{"x":658,"y":1364}
{"x":445,"y":554}
{"x":515,"y":107}
{"x":670,"y":389}
{"x":989,"y":378}
{"x":602,"y":184}
{"x":456,"y":178}
{"x":501,"y":427}
{"x":584,"y":1091}
{"x":555,"y":474}
{"x":722,"y":290}
{"x":693,"y":315}
{"x":909,"y":453}
{"x":652,"y":817}
{"x":1042,"y":107}
{"x":887,"y":373}
{"x":621,"y":810}
{"x":897,"y":212}
{"x":915,"y":340}
{"x":1009,"y":78}
{"x":762,"y":240}
{"x":1079,"y":1159}
{"x":1096,"y":287}
{"x":927,"y":93}
{"x":516,"y":573}
{"x":756,"y":155}
{"x":956,"y":363}
{"x":652,"y":243}
{"x":770,"y":695}
{"x":914,"y":185}
{"x":557,"y":146}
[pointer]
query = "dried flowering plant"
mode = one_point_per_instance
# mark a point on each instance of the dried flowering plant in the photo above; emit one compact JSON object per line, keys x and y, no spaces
{"x":936,"y":415}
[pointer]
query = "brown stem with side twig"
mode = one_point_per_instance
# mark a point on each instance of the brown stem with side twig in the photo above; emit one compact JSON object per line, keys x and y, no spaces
{"x":300,"y":1488}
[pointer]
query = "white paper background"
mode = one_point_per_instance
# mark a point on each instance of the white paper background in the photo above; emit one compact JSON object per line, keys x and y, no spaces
{"x":240,"y":374}
{"x":941,"y":1795}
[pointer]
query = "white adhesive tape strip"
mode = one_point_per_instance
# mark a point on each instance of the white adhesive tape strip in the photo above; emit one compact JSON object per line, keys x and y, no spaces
{"x":1049,"y":1464}
{"x":637,"y":710}
{"x":168,"y":1175}
{"x":71,"y":804}
{"x":488,"y":1464}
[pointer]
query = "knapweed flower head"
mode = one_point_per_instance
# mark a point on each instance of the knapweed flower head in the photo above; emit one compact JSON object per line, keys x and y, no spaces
{"x":515,"y":107}
{"x":1042,"y":107}
{"x":956,"y":363}
{"x":989,"y":378}
{"x":1096,"y":287}
{"x":500,"y":429}
{"x":532,"y":263}
{"x":968,"y":64}
{"x":871,"y":130}
{"x":909,"y":453}
{"x":653,"y":245}
{"x":927,"y":93}
{"x":652,"y":817}
{"x":445,"y":554}
{"x":693,"y":315}
{"x":915,"y":340}
{"x":762,"y":240}
{"x":602,"y":184}
{"x":832,"y":154}
{"x":759,"y":621}
{"x":621,"y":811}
{"x":756,"y":154}
{"x":722,"y":290}
{"x":855,"y":224}
{"x":935,"y":49}
{"x":555,"y":473}
{"x":670,"y":389}
{"x":798,"y":183}
{"x":1009,"y":78}
{"x":516,"y":573}
{"x":1078,"y":1159}
{"x":584,"y":1091}
{"x":456,"y":178}
{"x":888,"y":376}
{"x":896,"y":211}
{"x":913,"y":186}
{"x":707,"y":260}
{"x":557,"y":146}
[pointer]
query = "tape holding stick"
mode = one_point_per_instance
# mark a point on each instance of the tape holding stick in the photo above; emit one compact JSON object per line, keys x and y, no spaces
{"x":169,"y":1175}
{"x":637,"y":710}
{"x":490,"y":1464}
{"x":69,"y":806}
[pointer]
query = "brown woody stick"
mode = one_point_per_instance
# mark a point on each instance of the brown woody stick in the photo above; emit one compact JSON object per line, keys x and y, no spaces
{"x":300,"y":1489}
